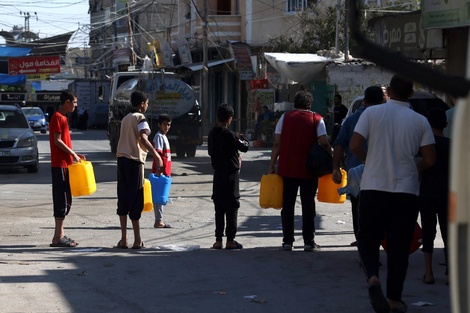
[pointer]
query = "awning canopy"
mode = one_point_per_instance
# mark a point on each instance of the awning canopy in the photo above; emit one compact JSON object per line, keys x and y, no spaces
{"x":12,"y":80}
{"x":198,"y":66}
{"x":300,"y":67}
{"x":13,"y":52}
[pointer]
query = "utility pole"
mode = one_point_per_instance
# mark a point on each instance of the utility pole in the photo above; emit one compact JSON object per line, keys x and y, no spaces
{"x":26,"y":30}
{"x":131,"y":41}
{"x":205,"y":74}
{"x":346,"y":36}
{"x":338,"y":14}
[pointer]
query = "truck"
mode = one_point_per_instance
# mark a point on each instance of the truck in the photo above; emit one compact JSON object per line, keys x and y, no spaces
{"x":168,"y":94}
{"x":92,"y":95}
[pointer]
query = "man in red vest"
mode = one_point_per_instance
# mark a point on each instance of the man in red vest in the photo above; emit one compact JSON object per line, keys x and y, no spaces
{"x":295,"y":132}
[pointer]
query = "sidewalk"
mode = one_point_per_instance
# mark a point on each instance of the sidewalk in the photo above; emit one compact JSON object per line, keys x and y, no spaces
{"x":95,"y":277}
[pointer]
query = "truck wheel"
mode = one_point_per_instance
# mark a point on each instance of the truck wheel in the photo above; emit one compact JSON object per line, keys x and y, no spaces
{"x":191,"y":151}
{"x":180,"y":150}
{"x":113,"y":144}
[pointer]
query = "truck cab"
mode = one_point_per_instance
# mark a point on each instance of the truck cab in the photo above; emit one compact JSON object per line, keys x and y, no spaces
{"x":167,"y":95}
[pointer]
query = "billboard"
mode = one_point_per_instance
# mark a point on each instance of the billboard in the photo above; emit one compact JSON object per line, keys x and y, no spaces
{"x":34,"y":65}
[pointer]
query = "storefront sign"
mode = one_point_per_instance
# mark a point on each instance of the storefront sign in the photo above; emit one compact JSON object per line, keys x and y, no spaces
{"x":14,"y":97}
{"x":445,"y":13}
{"x":34,"y":65}
{"x":48,"y":97}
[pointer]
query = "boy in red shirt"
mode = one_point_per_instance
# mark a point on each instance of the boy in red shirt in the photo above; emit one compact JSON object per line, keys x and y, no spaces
{"x":62,"y":156}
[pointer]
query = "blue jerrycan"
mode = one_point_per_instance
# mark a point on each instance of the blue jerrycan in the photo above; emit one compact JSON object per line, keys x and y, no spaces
{"x":160,"y":188}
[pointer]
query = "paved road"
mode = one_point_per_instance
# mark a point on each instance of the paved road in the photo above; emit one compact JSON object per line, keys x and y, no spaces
{"x":178,"y":272}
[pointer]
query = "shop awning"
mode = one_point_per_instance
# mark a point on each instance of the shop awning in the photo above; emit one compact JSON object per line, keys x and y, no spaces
{"x":13,"y":52}
{"x":12,"y":80}
{"x":299,"y":67}
{"x":198,"y":66}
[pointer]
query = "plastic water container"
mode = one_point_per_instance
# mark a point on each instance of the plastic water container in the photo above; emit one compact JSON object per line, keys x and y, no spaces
{"x":82,"y":178}
{"x":328,"y":190}
{"x":160,"y":188}
{"x":148,"y":204}
{"x":270,"y":195}
{"x":354,"y":181}
{"x":415,"y":243}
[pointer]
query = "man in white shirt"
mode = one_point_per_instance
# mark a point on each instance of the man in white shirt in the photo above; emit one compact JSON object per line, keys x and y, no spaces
{"x":395,"y":136}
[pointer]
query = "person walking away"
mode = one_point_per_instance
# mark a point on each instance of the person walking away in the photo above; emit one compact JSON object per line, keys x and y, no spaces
{"x":82,"y":119}
{"x":132,"y":150}
{"x":372,"y":95}
{"x":433,"y":194}
{"x":62,"y":156}
{"x":162,"y":146}
{"x":339,"y":113}
{"x":224,"y":149}
{"x":450,"y":117}
{"x":394,"y":134}
{"x":295,"y":133}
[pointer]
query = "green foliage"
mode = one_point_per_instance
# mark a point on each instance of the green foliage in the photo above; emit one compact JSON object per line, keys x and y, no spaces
{"x":315,"y":30}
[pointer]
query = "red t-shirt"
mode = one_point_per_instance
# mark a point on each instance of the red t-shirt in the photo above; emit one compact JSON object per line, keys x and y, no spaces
{"x":59,"y":124}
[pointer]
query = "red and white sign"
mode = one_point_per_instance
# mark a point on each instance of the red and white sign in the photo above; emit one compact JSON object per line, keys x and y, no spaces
{"x":34,"y":65}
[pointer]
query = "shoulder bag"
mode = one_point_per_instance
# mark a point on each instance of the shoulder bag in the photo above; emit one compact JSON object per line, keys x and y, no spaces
{"x":319,"y":160}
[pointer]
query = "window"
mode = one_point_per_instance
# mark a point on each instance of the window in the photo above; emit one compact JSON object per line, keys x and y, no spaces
{"x":299,"y":5}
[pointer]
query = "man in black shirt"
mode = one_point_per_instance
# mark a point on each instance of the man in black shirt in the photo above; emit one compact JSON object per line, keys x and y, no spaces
{"x":339,"y":113}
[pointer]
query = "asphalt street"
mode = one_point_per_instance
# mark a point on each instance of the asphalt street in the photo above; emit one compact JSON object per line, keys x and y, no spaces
{"x":177,"y":271}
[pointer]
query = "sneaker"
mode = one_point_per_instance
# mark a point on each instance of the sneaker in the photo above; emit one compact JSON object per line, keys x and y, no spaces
{"x":217,"y":245}
{"x":232,"y":245}
{"x":313,"y":246}
{"x":286,"y":247}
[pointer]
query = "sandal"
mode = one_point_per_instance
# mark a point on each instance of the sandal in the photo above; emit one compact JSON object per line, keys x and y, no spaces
{"x":139,"y":247}
{"x":217,"y":245}
{"x":378,"y":300}
{"x":120,"y":245}
{"x":64,"y":242}
{"x":233,"y":245}
{"x":429,"y":281}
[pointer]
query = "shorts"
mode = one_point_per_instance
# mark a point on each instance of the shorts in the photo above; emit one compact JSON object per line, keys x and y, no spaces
{"x":130,"y":191}
{"x":61,"y":195}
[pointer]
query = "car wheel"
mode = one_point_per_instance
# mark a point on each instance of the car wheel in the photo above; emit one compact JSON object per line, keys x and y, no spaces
{"x":180,"y":150}
{"x":191,"y":151}
{"x":33,"y":168}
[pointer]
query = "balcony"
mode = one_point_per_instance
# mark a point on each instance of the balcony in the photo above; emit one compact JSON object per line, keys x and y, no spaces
{"x":220,"y":29}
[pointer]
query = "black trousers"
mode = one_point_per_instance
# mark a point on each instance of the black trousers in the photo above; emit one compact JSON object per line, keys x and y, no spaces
{"x":394,"y":214}
{"x":355,"y":213}
{"x":433,"y":209}
{"x":226,"y":195}
{"x":308,"y":189}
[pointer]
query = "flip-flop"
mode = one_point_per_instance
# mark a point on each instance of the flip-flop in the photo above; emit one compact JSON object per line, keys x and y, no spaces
{"x":402,"y":309}
{"x":164,"y":226}
{"x":120,"y":246}
{"x":378,"y":300}
{"x":139,"y":247}
{"x":64,"y":242}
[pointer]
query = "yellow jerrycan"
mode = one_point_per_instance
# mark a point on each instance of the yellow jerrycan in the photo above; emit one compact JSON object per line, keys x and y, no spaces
{"x":148,"y":204}
{"x":82,"y":178}
{"x":270,"y":195}
{"x":328,"y":190}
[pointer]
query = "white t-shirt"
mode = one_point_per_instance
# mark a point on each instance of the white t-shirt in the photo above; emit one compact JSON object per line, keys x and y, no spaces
{"x":394,"y":134}
{"x":321,"y":129}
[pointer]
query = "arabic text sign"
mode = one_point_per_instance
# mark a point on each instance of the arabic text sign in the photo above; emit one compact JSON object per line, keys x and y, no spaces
{"x":34,"y":65}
